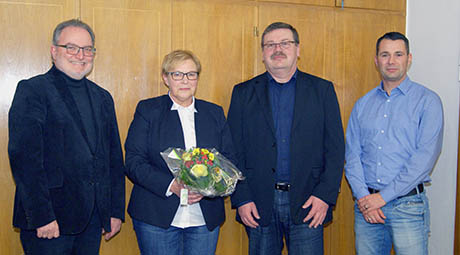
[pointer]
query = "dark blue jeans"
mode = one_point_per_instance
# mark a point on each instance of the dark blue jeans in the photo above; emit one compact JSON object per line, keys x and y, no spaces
{"x":300,"y":239}
{"x":153,"y":240}
{"x":86,"y":243}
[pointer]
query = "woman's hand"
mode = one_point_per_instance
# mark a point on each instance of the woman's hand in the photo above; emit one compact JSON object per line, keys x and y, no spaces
{"x":193,"y":197}
{"x":176,"y":187}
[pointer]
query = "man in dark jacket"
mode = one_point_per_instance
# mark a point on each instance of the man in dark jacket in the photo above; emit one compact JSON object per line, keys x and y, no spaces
{"x":288,"y":135}
{"x":65,"y":152}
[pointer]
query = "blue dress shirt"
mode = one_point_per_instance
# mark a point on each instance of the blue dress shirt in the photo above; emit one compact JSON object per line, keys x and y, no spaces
{"x":282,"y":105}
{"x":392,"y":142}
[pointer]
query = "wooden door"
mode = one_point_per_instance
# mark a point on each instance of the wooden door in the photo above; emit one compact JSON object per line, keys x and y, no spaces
{"x":131,"y":39}
{"x":309,"y":2}
{"x":390,"y":5}
{"x":132,"y":36}
{"x":25,"y":52}
{"x":356,"y":33}
{"x":221,"y":34}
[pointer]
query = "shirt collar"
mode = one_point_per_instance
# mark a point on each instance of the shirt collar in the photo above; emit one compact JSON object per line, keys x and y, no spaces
{"x":176,"y":106}
{"x":273,"y":81}
{"x":403,"y":87}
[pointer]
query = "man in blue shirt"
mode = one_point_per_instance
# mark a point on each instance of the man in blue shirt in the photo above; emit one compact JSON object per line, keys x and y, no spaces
{"x":288,"y":136}
{"x":394,"y":138}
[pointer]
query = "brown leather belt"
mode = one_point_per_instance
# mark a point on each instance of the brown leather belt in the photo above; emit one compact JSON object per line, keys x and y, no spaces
{"x":411,"y":193}
{"x":283,"y":186}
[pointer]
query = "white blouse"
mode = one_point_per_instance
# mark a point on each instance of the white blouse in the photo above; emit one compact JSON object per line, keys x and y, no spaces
{"x":187,"y":215}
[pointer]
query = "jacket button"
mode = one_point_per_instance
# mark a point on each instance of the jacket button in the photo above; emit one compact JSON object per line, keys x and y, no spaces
{"x":274,"y":144}
{"x":273,"y":169}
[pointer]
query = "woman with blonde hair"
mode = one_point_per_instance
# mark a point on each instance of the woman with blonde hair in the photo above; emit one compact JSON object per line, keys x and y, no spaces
{"x":179,"y":120}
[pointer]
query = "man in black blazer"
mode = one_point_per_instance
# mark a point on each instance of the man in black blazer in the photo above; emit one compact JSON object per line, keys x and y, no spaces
{"x":65,"y":152}
{"x":288,"y":134}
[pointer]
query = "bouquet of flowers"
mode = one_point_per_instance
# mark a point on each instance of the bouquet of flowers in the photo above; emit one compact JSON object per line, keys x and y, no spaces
{"x":205,"y":171}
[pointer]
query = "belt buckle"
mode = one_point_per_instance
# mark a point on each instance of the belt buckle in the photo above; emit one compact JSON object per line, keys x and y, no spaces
{"x":283,"y":186}
{"x":373,"y":191}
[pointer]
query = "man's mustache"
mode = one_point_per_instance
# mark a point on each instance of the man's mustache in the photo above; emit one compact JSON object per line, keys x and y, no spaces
{"x":278,"y":53}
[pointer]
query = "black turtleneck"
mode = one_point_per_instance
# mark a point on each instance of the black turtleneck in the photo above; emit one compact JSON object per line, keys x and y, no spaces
{"x":79,"y":91}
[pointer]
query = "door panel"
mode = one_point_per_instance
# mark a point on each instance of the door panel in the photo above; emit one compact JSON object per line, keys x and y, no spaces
{"x":131,"y":39}
{"x":309,"y":2}
{"x":221,"y":34}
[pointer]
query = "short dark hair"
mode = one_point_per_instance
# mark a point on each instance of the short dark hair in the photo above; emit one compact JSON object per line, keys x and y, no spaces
{"x":71,"y":23}
{"x":280,"y":25}
{"x":392,"y":36}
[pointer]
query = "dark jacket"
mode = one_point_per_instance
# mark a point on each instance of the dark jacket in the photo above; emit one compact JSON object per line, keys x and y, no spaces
{"x":317,"y":145}
{"x":154,"y":129}
{"x":57,"y":175}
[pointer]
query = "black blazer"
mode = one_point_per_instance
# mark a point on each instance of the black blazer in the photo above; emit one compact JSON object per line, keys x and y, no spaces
{"x":154,"y":129}
{"x":57,"y":175}
{"x":317,"y":145}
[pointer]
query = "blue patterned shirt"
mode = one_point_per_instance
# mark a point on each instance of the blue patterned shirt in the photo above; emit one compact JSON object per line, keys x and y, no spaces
{"x":393,"y":142}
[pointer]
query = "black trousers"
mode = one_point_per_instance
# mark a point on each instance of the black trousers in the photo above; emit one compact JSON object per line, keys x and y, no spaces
{"x":87,"y":242}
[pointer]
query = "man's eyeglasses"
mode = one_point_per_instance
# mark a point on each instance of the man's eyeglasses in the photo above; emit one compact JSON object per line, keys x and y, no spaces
{"x":72,"y":49}
{"x":283,"y":45}
{"x":178,"y":76}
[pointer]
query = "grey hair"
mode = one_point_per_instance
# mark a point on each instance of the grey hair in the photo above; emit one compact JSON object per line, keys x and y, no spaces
{"x":72,"y":23}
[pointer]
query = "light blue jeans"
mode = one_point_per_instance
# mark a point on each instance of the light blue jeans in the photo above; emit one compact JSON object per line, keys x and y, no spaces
{"x":406,"y":227}
{"x":300,"y":239}
{"x":153,"y":240}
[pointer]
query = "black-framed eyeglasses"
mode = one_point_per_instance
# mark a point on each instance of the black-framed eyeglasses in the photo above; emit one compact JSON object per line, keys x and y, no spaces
{"x":73,"y":49}
{"x":178,"y":76}
{"x":283,"y":45}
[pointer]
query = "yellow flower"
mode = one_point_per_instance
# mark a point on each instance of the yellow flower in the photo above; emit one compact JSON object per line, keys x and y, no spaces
{"x":204,"y":151}
{"x":211,"y":156}
{"x":199,"y":170}
{"x":186,"y":156}
{"x":196,"y":151}
{"x":216,"y":175}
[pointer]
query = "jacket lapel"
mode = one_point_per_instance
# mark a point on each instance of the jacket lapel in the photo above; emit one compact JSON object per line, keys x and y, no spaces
{"x":200,"y":125}
{"x":171,"y":134}
{"x":302,"y":103}
{"x":205,"y":127}
{"x":261,"y":88}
